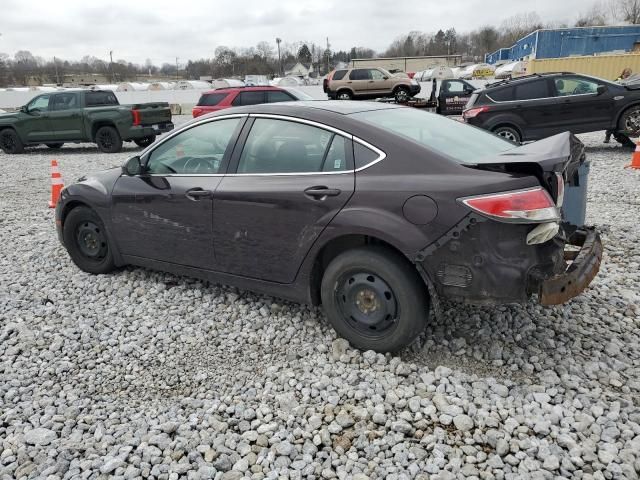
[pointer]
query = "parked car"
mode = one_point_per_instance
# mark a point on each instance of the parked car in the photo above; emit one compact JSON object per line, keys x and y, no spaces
{"x":75,"y":116}
{"x":372,"y":210}
{"x":363,"y":83}
{"x":221,"y":98}
{"x":450,"y":96}
{"x":537,"y":106}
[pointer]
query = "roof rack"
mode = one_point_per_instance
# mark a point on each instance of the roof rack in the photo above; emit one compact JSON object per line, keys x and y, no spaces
{"x":506,"y":81}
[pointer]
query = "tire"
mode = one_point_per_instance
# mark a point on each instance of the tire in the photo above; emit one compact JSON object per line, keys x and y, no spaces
{"x":10,"y":141}
{"x":54,"y":146}
{"x":402,"y":94}
{"x":344,"y":95}
{"x":145,"y":141}
{"x":374,"y":299}
{"x":85,"y":238}
{"x":630,"y":122}
{"x":108,"y":140}
{"x":508,"y":133}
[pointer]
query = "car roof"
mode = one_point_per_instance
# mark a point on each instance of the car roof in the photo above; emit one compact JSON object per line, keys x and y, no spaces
{"x":246,"y":88}
{"x":340,"y":106}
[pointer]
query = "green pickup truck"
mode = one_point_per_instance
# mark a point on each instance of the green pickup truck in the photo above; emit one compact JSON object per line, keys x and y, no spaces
{"x":78,"y":116}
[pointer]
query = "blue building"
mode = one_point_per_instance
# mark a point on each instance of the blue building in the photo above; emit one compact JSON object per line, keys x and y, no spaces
{"x":565,"y":42}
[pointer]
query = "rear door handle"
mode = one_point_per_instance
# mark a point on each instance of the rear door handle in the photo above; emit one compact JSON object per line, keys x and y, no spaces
{"x":198,"y":193}
{"x":321,"y":192}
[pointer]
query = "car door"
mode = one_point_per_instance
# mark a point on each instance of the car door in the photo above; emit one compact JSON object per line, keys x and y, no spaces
{"x":533,"y":101}
{"x":579,"y":105}
{"x":36,"y":126}
{"x":291,"y":178}
{"x":166,"y":213}
{"x":380,"y":83}
{"x":65,"y":116}
{"x":359,"y":80}
{"x":453,"y":96}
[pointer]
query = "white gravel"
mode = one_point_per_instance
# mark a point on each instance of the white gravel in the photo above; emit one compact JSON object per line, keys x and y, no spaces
{"x":143,"y":374}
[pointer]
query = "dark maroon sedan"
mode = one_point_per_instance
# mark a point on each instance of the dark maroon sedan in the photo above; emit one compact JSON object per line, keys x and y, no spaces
{"x":373,"y":211}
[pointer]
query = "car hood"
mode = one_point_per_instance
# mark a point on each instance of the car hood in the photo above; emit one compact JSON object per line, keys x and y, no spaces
{"x":102,"y":181}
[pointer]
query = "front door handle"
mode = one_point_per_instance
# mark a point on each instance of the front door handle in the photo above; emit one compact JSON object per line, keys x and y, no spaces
{"x":198,"y":193}
{"x":321,"y":192}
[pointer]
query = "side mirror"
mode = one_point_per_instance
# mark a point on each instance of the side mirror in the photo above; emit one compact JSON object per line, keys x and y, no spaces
{"x":384,"y":77}
{"x":23,"y":109}
{"x":601,"y":89}
{"x":132,"y":167}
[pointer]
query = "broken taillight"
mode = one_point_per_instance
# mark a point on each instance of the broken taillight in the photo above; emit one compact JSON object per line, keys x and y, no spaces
{"x":531,"y":205}
{"x":474,"y":112}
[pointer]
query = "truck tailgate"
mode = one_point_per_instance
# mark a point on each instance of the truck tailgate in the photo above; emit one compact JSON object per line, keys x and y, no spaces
{"x":153,"y":113}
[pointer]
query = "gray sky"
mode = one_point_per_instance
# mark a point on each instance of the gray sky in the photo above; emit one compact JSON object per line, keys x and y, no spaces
{"x":162,"y":30}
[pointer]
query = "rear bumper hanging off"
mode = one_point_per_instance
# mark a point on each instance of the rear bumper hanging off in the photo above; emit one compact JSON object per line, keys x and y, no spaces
{"x":582,"y":267}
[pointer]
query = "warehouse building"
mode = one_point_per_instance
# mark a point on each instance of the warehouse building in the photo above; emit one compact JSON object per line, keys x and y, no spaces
{"x":408,"y":64}
{"x":569,"y":42}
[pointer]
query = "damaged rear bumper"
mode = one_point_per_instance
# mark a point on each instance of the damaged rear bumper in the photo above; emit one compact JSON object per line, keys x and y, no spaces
{"x":582,"y":267}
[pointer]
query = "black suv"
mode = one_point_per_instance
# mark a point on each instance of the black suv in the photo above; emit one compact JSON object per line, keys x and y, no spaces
{"x":541,"y":105}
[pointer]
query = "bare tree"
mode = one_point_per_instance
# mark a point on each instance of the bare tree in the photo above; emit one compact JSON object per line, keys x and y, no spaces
{"x":595,"y":15}
{"x":626,"y":10}
{"x":517,"y":26}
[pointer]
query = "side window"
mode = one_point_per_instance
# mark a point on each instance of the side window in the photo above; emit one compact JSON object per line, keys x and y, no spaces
{"x":211,"y":99}
{"x":574,"y":86}
{"x":532,"y":90}
{"x":376,"y":74}
{"x":64,"y":101}
{"x":363,"y":156}
{"x":502,"y":94}
{"x":339,"y":74}
{"x":40,"y":104}
{"x":454,"y":87}
{"x":95,"y":99}
{"x":248,"y":98}
{"x":360,"y":74}
{"x":336,"y":159}
{"x":281,"y":146}
{"x":275,"y":96}
{"x":199,"y":150}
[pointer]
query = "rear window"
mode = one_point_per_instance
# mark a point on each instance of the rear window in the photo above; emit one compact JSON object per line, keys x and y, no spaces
{"x":211,"y":99}
{"x":94,"y":99}
{"x":339,"y":74}
{"x":458,"y":141}
{"x":532,"y":90}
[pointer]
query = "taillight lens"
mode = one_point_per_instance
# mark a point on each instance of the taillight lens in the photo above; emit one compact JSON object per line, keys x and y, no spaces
{"x":474,"y":112}
{"x":196,"y":112}
{"x":533,"y":205}
{"x":136,"y":117}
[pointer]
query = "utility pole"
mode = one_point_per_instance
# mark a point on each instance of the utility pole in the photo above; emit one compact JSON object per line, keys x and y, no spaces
{"x":278,"y":40}
{"x":55,"y":64}
{"x":177,"y":69}
{"x":328,"y":53}
{"x":111,"y":65}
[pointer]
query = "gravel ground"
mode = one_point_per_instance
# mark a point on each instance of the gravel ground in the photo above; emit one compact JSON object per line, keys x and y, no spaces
{"x":144,"y":374}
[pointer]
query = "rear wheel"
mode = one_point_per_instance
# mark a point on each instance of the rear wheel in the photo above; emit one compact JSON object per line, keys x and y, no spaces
{"x":54,"y":146}
{"x":10,"y":141}
{"x":344,"y":95}
{"x":630,"y":122}
{"x":402,"y":94}
{"x":108,"y":140}
{"x":374,"y":299}
{"x":509,"y":133}
{"x":145,"y":141}
{"x":85,"y":238}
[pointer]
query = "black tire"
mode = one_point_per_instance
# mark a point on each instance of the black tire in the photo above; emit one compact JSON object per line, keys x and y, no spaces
{"x":402,"y":94}
{"x":85,"y":238}
{"x":145,"y":141}
{"x":508,"y":133}
{"x":629,"y":122}
{"x":374,"y":299}
{"x":10,"y":141}
{"x":54,"y":146}
{"x":344,"y":95}
{"x":108,"y":140}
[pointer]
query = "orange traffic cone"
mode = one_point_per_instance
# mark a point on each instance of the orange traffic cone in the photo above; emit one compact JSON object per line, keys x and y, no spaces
{"x":56,"y":184}
{"x":635,"y":158}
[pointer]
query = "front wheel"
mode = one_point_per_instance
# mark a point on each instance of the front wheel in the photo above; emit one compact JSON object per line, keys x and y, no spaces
{"x":145,"y":141}
{"x":374,"y":299}
{"x":630,"y":122}
{"x":108,"y":140}
{"x":54,"y":146}
{"x":85,"y":238}
{"x":10,"y":141}
{"x":402,"y":95}
{"x":508,"y":133}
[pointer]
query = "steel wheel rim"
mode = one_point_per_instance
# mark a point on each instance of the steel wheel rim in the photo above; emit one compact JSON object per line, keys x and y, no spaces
{"x":91,"y":241}
{"x":508,"y":135}
{"x":367,"y":304}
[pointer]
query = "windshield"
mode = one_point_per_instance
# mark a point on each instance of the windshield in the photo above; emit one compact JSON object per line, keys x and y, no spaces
{"x":462,"y":143}
{"x":300,"y":95}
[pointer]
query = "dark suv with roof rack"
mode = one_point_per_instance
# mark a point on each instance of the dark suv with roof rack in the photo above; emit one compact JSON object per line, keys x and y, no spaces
{"x":541,"y":105}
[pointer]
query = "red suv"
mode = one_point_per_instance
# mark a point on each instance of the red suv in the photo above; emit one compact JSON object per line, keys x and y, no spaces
{"x":222,"y":98}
